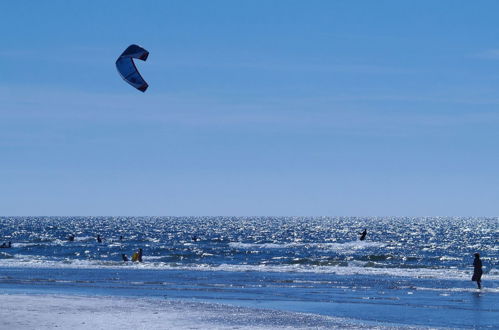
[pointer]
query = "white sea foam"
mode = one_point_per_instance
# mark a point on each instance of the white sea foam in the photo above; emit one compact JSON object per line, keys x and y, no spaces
{"x":22,"y":244}
{"x":84,"y":238}
{"x":469,"y":289}
{"x":341,"y":247}
{"x":493,"y":271}
{"x":116,"y":244}
{"x":249,"y":246}
{"x":150,"y":258}
{"x":354,"y":268}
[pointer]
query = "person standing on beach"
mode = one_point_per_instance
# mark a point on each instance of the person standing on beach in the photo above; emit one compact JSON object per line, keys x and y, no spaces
{"x":477,"y":271}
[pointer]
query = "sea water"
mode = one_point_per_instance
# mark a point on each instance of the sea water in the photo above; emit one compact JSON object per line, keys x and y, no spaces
{"x":408,"y":271}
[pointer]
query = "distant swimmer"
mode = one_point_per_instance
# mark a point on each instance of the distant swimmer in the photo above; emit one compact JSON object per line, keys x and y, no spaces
{"x":137,"y":256}
{"x":121,"y":237}
{"x":6,"y":245}
{"x":363,"y":235}
{"x":195,"y":238}
{"x":477,"y":271}
{"x":124,"y":257}
{"x":71,"y":238}
{"x":99,"y":240}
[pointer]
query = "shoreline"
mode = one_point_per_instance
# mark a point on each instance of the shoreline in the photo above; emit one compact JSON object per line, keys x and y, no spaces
{"x":147,"y":299}
{"x":49,"y":311}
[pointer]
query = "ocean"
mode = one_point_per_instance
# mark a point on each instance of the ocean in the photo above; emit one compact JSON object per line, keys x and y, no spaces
{"x":408,"y":272}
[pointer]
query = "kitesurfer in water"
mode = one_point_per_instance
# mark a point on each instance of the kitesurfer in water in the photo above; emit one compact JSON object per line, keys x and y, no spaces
{"x":99,"y":239}
{"x":363,"y":235}
{"x":71,"y":238}
{"x":477,"y":271}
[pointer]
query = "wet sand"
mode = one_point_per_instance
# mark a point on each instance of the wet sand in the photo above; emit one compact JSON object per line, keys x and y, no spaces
{"x":22,"y":311}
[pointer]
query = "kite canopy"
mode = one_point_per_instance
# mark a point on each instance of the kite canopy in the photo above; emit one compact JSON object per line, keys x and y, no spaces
{"x":127,"y":69}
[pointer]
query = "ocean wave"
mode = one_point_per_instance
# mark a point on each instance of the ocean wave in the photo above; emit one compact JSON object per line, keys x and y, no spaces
{"x":247,"y":246}
{"x":346,"y":246}
{"x":470,"y":289}
{"x":5,"y":255}
{"x":348,"y":269}
{"x":22,"y":245}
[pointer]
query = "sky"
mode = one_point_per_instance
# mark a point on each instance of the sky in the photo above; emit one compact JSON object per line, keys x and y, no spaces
{"x":297,"y":108}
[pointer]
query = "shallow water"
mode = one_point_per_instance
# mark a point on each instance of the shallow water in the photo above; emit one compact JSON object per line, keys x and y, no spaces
{"x":409,"y":271}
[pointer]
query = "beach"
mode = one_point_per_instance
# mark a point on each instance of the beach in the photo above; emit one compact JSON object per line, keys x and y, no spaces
{"x":25,"y":312}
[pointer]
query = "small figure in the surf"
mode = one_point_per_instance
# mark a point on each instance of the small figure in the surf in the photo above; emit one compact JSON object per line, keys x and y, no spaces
{"x":124,"y":257}
{"x":477,"y":271}
{"x":137,"y":256}
{"x":195,"y":238}
{"x":121,"y":237}
{"x":6,"y":245}
{"x":99,"y":239}
{"x":363,"y":235}
{"x":71,"y":238}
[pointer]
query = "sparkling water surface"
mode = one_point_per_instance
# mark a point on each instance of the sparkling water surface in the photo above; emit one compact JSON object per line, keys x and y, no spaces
{"x":408,"y":271}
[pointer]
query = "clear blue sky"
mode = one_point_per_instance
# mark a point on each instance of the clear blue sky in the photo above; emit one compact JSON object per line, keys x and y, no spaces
{"x":254,"y":108}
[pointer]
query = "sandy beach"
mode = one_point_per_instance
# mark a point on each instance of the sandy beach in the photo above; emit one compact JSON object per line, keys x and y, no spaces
{"x":82,"y":312}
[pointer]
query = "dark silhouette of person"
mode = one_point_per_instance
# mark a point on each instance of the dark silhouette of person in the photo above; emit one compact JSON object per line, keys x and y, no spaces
{"x":195,"y":238}
{"x":121,"y":237}
{"x":363,"y":235}
{"x":477,"y":271}
{"x":5,"y":245}
{"x":124,"y":257}
{"x":99,"y":240}
{"x":71,"y":238}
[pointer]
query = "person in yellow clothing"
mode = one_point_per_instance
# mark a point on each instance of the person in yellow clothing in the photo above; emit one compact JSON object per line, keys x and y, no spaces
{"x":137,"y":256}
